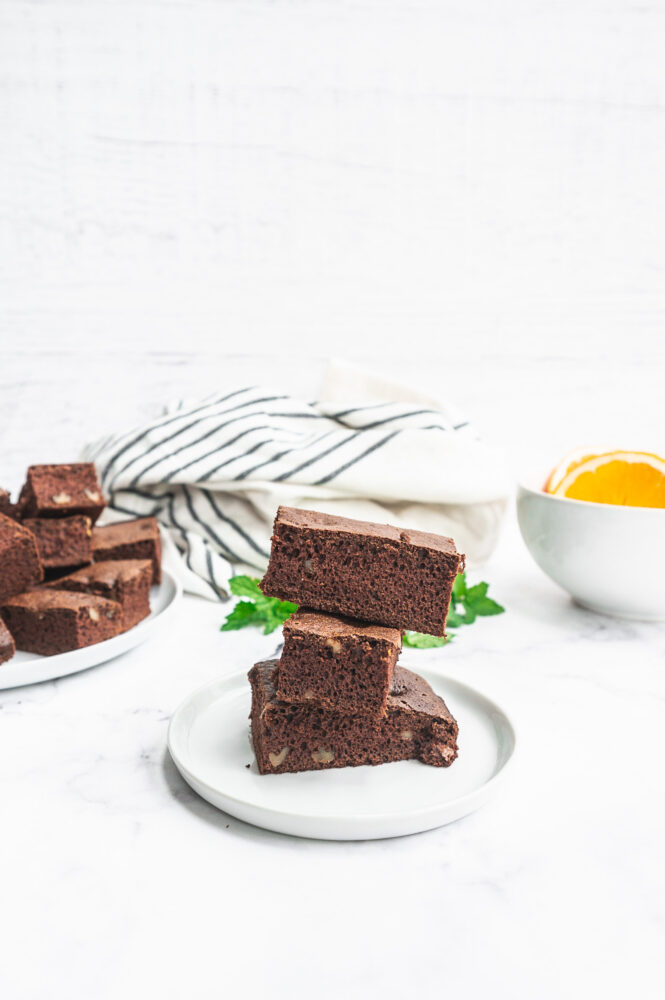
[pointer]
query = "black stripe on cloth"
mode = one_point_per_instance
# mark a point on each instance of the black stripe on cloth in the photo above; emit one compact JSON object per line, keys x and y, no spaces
{"x":179,"y":416}
{"x":228,"y":552}
{"x":316,"y":458}
{"x":188,"y":560}
{"x":301,"y":416}
{"x":235,"y":458}
{"x":398,"y":416}
{"x":357,"y":409}
{"x":241,"y":531}
{"x":280,"y":455}
{"x":188,"y":444}
{"x":215,"y":451}
{"x":221,"y":591}
{"x":367,"y":451}
{"x":457,"y":427}
{"x":143,"y":494}
{"x":183,"y":535}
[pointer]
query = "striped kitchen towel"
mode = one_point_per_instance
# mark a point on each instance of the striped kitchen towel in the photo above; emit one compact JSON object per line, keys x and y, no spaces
{"x":214,"y":471}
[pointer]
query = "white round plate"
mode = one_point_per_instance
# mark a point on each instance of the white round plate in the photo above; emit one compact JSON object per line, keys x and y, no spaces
{"x":29,"y":668}
{"x":209,"y":741}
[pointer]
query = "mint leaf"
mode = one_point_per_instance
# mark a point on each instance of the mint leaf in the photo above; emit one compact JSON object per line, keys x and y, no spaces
{"x":466,"y":604}
{"x":268,"y":612}
{"x":276,"y":614}
{"x":418,"y":640}
{"x":475,"y":593}
{"x":245,"y":586}
{"x":487,"y":606}
{"x":244,"y":613}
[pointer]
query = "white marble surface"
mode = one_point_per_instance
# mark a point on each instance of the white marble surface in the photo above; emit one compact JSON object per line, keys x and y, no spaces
{"x":119,"y":882}
{"x":464,"y":193}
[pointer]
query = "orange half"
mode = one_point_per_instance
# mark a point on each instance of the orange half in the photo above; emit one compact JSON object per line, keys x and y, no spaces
{"x":627,"y":478}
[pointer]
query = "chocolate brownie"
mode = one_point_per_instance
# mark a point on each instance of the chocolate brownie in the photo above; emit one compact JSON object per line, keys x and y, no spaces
{"x":63,"y":543}
{"x":7,"y":646}
{"x":8,"y":508}
{"x":62,"y":490}
{"x":138,"y":539}
{"x":20,"y":567}
{"x":57,"y":621}
{"x":374,"y":572}
{"x":126,"y":581}
{"x":417,"y":726}
{"x":341,"y":664}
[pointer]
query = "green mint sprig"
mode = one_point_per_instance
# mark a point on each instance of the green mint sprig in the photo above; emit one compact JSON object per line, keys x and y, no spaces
{"x":466,"y":604}
{"x":257,"y":609}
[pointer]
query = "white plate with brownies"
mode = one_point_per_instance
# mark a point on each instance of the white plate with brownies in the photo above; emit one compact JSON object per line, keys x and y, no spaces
{"x":336,"y":704}
{"x":73,"y":593}
{"x":209,"y":741}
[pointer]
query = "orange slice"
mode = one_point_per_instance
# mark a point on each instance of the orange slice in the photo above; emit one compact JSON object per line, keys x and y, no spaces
{"x":566,"y":465}
{"x":628,"y":478}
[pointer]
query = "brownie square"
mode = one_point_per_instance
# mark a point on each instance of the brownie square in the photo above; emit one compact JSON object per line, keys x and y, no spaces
{"x":287,"y":737}
{"x":7,"y":646}
{"x":62,"y":490}
{"x":63,"y":543}
{"x":137,"y":539}
{"x":56,"y":621}
{"x":8,"y":508}
{"x":20,"y":567}
{"x":338,"y":663}
{"x":373,"y":572}
{"x":126,"y":581}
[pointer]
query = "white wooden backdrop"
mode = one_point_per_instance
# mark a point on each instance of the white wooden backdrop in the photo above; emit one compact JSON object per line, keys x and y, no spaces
{"x":467,"y":192}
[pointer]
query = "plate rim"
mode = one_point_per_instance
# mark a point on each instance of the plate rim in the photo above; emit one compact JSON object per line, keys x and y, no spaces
{"x":357,"y":817}
{"x":143,"y":628}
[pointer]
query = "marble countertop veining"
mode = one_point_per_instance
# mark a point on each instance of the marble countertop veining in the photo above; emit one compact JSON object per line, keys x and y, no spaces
{"x":118,"y":881}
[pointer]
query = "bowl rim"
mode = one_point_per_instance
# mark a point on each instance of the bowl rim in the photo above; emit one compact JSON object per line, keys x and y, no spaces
{"x":523,"y":485}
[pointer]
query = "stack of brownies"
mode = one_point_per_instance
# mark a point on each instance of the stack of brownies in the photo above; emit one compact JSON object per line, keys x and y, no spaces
{"x":336,"y":696}
{"x":65,"y":582}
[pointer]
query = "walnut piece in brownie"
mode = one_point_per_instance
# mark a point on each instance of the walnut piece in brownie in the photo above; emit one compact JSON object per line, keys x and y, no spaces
{"x":7,"y":645}
{"x":126,"y":581}
{"x":57,"y":621}
{"x":137,"y":539}
{"x":417,"y":726}
{"x":62,"y":490}
{"x":20,"y":567}
{"x":341,"y":664}
{"x":373,"y":572}
{"x":63,"y":543}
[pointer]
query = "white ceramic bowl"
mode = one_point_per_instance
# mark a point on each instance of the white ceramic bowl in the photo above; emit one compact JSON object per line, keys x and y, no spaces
{"x":609,"y":558}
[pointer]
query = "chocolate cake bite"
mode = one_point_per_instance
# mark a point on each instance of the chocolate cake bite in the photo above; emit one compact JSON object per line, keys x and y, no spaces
{"x":63,"y":543}
{"x":137,"y":539}
{"x":62,"y":490}
{"x":56,"y":621}
{"x":20,"y":567}
{"x":7,"y":646}
{"x":8,"y":508}
{"x":373,"y":572}
{"x":337,"y":663}
{"x":288,"y":737}
{"x":126,"y":581}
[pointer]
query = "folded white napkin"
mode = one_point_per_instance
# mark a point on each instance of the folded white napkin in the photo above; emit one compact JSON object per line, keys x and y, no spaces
{"x":214,"y":471}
